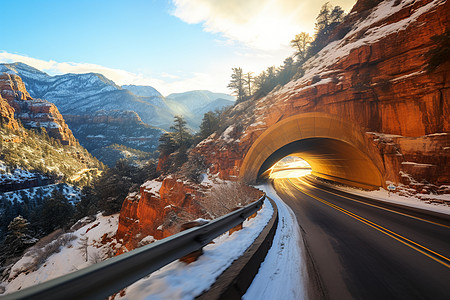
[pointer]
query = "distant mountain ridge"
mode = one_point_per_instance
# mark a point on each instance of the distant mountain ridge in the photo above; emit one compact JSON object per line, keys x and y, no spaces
{"x":142,"y":90}
{"x":84,"y":94}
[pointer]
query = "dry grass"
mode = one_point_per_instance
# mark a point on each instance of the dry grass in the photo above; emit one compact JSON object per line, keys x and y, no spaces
{"x":224,"y":198}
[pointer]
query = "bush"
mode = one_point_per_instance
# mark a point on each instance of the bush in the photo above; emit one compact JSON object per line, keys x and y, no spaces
{"x":41,"y":254}
{"x":194,"y":167}
{"x":223,"y":198}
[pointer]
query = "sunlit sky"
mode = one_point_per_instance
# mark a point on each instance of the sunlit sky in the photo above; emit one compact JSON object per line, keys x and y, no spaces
{"x":174,"y":46}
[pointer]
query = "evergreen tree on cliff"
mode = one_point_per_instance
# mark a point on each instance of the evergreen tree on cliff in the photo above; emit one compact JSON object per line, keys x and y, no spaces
{"x":56,"y":212}
{"x":210,"y":124}
{"x":301,"y":44}
{"x":18,"y":238}
{"x":237,"y":84}
{"x":329,"y":17}
{"x":182,"y":137}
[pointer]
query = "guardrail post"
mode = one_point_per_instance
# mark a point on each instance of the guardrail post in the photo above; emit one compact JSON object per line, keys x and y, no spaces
{"x":237,"y":227}
{"x":193,"y":256}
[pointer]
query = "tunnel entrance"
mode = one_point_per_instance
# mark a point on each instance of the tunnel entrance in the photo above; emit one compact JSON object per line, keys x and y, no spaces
{"x":336,"y":150}
{"x":328,"y":158}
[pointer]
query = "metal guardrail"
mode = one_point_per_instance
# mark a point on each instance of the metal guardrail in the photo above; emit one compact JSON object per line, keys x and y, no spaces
{"x":110,"y":276}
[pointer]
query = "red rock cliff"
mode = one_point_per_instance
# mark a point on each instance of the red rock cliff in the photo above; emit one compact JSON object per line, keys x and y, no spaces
{"x":7,"y":115}
{"x":158,"y":210}
{"x":376,"y":78}
{"x":34,"y":113}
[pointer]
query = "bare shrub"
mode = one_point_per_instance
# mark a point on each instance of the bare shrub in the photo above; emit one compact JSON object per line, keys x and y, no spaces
{"x":223,"y":198}
{"x":40,"y":254}
{"x":194,"y":167}
{"x":67,"y":238}
{"x":83,"y":247}
{"x":96,"y":257}
{"x":49,"y":238}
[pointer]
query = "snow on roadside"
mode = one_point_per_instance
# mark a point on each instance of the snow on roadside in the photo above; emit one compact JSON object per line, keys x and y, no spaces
{"x":180,"y":281}
{"x":69,"y":258}
{"x":383,"y":195}
{"x":282,"y":275}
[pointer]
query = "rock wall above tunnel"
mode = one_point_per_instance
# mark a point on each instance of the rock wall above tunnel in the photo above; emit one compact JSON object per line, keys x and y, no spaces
{"x":374,"y":78}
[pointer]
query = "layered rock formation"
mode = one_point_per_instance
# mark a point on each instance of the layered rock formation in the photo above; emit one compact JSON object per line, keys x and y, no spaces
{"x":375,"y":77}
{"x":158,"y":210}
{"x":34,"y":113}
{"x":7,"y":115}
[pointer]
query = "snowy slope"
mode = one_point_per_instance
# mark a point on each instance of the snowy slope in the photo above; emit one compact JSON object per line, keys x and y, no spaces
{"x":174,"y":281}
{"x":365,"y":31}
{"x":32,"y":269}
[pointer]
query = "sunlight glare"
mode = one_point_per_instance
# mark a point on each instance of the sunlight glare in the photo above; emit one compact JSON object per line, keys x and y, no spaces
{"x":290,"y":167}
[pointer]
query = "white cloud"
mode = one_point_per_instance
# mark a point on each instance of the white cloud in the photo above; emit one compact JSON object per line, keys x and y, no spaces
{"x":260,"y":24}
{"x":178,"y":83}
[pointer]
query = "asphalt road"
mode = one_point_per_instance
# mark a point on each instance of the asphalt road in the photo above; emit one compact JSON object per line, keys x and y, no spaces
{"x":358,"y":251}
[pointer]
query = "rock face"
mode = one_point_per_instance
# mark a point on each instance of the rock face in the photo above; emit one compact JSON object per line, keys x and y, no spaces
{"x":153,"y":211}
{"x":34,"y":113}
{"x":374,"y":77}
{"x":7,"y":115}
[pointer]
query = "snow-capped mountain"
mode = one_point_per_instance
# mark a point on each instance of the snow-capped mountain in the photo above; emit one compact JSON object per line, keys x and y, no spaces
{"x":84,"y":94}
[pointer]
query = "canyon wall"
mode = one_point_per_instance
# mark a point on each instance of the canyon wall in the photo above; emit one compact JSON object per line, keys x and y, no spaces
{"x":375,"y":78}
{"x":33,"y":113}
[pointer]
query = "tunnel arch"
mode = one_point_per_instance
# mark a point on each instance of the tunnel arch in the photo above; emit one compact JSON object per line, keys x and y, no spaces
{"x":336,"y":149}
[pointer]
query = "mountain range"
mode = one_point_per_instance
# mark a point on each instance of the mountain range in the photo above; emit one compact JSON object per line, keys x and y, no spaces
{"x":84,"y":94}
{"x":101,"y":113}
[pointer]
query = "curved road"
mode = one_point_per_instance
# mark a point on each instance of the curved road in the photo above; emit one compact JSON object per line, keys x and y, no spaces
{"x":355,"y":250}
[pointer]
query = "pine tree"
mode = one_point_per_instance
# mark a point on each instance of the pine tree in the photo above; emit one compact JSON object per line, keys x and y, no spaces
{"x":167,"y":144}
{"x":182,"y":137}
{"x":329,"y":17}
{"x":56,"y":212}
{"x":210,"y":123}
{"x":248,"y":79}
{"x":301,"y":44}
{"x":237,"y":84}
{"x":18,"y":238}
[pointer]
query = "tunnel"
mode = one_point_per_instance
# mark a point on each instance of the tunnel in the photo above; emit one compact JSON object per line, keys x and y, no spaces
{"x":336,"y":149}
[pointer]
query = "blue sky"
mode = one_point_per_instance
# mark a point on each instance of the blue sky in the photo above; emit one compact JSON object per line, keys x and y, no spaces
{"x":174,"y":46}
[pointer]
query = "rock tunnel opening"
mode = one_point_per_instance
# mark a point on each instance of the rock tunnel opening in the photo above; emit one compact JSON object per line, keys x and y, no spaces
{"x":330,"y":159}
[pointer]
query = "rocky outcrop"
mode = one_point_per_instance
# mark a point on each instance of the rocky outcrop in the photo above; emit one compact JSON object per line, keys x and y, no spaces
{"x":7,"y":115}
{"x":374,"y":77}
{"x":34,"y":113}
{"x":158,"y":210}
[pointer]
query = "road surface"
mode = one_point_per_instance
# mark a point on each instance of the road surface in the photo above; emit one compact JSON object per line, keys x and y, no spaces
{"x":359,"y":251}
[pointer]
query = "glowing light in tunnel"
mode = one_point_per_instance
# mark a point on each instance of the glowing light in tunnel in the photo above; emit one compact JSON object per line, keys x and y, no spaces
{"x":290,"y":167}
